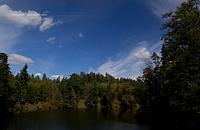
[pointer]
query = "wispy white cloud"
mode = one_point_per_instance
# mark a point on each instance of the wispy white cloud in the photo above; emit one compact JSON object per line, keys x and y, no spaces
{"x":8,"y":41}
{"x":57,"y":76}
{"x":18,"y":59}
{"x":160,"y":7}
{"x":38,"y":74}
{"x":129,"y":66}
{"x":47,"y":63}
{"x":81,"y":35}
{"x":142,"y":53}
{"x":60,"y":46}
{"x":48,"y":23}
{"x":51,"y":39}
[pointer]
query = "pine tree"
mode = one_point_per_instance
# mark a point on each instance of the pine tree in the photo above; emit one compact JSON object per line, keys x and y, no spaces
{"x":23,"y":79}
{"x":4,"y":86}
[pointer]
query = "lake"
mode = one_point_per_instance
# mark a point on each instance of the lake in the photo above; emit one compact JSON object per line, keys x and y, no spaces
{"x":81,"y":120}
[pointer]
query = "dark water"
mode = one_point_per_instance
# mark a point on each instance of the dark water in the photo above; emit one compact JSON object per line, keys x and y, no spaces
{"x":81,"y":120}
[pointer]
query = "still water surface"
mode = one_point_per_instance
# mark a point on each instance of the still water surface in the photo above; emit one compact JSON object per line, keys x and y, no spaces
{"x":72,"y":120}
{"x":77,"y":120}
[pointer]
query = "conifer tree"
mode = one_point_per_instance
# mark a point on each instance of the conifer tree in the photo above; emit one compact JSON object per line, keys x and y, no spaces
{"x":4,"y":80}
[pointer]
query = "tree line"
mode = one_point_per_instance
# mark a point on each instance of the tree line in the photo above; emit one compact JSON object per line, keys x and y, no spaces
{"x":170,"y":82}
{"x":94,"y":90}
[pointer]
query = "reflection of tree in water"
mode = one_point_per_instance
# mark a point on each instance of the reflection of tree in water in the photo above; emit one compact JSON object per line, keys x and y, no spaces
{"x":123,"y":115}
{"x":167,"y":121}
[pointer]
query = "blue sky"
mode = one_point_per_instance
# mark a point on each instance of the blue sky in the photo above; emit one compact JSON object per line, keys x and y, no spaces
{"x":61,"y":37}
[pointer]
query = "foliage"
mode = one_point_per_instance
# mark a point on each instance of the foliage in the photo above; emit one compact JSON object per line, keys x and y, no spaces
{"x":6,"y":91}
{"x":180,"y":57}
{"x":172,"y":83}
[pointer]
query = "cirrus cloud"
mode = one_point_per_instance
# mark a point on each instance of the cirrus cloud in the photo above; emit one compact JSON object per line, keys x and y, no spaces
{"x":160,"y":7}
{"x":129,"y":66}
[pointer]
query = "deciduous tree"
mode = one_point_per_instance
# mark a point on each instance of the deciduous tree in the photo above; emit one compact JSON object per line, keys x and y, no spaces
{"x":181,"y":56}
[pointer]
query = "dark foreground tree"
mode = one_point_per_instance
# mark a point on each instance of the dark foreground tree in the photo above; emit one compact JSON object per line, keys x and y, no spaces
{"x":5,"y":88}
{"x":181,"y":57}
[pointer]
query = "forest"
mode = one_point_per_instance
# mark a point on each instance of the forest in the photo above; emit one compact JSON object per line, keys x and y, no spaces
{"x":170,"y":82}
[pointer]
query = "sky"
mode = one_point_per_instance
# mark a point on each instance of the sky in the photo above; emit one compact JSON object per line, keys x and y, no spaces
{"x":61,"y":37}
